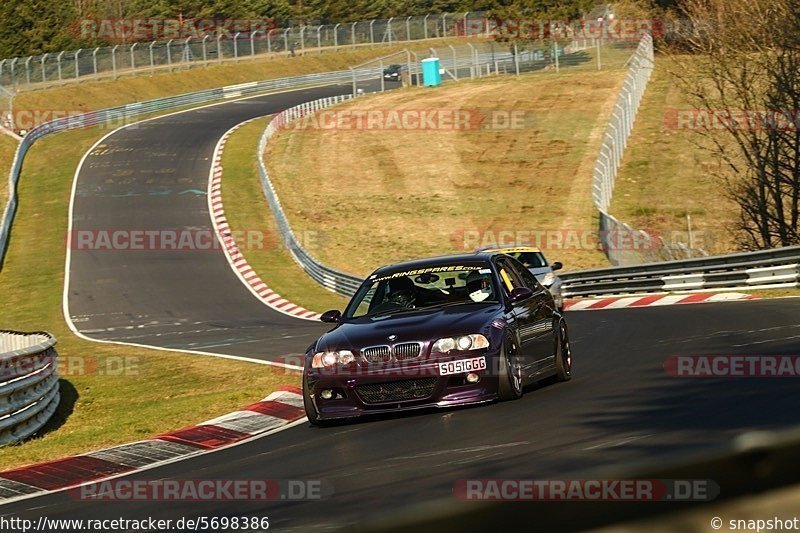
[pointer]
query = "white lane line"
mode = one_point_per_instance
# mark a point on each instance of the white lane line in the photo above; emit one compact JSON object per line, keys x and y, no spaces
{"x":70,"y":225}
{"x":471,"y":449}
{"x":766,"y":341}
{"x":244,"y":271}
{"x":615,"y":443}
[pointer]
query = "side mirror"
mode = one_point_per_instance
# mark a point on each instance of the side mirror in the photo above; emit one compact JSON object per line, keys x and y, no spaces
{"x":332,"y":317}
{"x":557,"y":265}
{"x":520,"y":294}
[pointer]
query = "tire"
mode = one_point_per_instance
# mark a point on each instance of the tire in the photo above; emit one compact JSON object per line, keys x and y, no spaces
{"x":311,"y":410}
{"x":563,"y":353}
{"x":509,"y":385}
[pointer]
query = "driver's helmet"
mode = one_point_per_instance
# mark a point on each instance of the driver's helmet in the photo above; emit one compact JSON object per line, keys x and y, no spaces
{"x":479,"y":286}
{"x":401,"y":290}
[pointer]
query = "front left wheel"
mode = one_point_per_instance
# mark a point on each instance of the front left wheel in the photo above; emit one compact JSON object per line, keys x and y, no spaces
{"x":308,"y":404}
{"x":563,"y":353}
{"x":510,"y":375}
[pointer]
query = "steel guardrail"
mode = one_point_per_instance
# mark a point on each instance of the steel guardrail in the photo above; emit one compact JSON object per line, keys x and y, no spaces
{"x":29,"y":389}
{"x":333,"y":280}
{"x":775,"y":268}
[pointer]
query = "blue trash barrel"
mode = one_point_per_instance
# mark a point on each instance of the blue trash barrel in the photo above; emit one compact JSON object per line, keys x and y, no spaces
{"x":431,"y":77}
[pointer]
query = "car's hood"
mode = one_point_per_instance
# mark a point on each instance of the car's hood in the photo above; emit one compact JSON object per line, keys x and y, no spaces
{"x":425,"y":325}
{"x":540,"y":272}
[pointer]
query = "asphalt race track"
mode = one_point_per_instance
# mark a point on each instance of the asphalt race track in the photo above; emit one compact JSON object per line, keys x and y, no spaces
{"x":154,"y":175}
{"x":620,"y":407}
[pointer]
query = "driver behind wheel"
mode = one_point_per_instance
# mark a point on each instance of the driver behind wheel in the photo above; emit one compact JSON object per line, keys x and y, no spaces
{"x":402,"y":292}
{"x":479,"y":286}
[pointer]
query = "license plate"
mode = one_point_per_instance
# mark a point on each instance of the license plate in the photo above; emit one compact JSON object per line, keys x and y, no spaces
{"x":462,"y":365}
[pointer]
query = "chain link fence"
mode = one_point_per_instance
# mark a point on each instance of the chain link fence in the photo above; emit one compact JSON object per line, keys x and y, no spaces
{"x":6,"y":109}
{"x":489,"y":58}
{"x":127,"y":58}
{"x":649,"y":248}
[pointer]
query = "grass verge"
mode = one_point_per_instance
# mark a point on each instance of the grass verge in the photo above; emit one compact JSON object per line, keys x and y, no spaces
{"x":775,"y":293}
{"x":157,"y":391}
{"x":379,"y":195}
{"x":7,"y":148}
{"x":247,"y":210}
{"x":665,"y":176}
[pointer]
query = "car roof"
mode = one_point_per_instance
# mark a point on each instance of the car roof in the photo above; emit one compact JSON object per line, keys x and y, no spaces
{"x":430,"y":262}
{"x":512,"y":250}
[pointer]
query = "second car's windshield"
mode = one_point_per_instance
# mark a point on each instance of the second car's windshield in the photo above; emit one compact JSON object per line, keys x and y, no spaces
{"x":530,"y":259}
{"x":423,"y":288}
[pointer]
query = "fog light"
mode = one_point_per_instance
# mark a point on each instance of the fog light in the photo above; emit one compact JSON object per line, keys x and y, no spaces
{"x":473,"y":378}
{"x":327,"y":394}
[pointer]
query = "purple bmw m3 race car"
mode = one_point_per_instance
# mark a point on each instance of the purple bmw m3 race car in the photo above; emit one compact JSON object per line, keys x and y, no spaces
{"x":440,"y":332}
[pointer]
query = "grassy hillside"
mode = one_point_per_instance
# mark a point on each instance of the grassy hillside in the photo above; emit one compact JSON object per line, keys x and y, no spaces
{"x":379,"y":195}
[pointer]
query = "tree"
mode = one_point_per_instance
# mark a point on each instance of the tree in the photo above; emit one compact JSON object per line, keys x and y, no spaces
{"x":745,"y":72}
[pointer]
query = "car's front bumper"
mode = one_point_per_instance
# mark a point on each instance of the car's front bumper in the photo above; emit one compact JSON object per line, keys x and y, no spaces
{"x":445,"y":390}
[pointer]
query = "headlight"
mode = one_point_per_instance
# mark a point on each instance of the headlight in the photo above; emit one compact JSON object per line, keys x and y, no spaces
{"x":548,"y":279}
{"x":326,"y":359}
{"x":463,"y":343}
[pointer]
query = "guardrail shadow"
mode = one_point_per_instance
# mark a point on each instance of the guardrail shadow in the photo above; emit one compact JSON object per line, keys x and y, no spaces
{"x":68,"y":398}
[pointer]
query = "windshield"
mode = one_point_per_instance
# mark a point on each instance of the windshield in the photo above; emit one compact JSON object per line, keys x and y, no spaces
{"x":530,"y":259}
{"x":425,"y":288}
